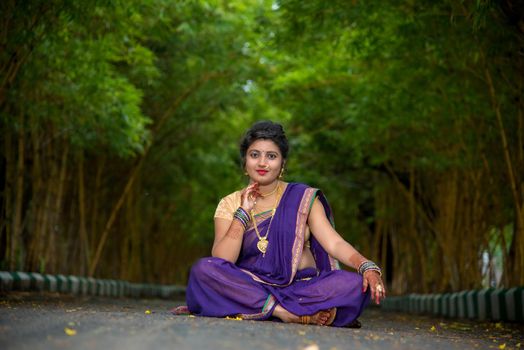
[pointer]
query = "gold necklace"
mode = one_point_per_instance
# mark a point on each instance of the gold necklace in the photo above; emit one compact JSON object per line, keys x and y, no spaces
{"x":270,"y":193}
{"x":262,"y":240}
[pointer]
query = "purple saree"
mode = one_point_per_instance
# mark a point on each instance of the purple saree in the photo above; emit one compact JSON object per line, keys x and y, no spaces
{"x":253,"y":286}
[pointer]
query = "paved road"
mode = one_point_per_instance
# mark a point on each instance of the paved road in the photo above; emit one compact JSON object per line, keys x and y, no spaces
{"x":29,"y":321}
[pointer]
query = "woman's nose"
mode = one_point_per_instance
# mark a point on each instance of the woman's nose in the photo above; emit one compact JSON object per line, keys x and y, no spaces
{"x":262,"y":161}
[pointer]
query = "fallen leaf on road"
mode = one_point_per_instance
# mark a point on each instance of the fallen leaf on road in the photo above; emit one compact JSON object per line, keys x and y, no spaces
{"x":459,"y":326}
{"x":433,"y":328}
{"x":502,"y":346}
{"x":69,"y":331}
{"x":518,"y":345}
{"x":237,"y":318}
{"x":311,"y":347}
{"x":301,"y":332}
{"x":148,"y":312}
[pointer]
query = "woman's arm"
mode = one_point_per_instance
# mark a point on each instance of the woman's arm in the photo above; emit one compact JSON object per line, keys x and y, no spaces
{"x":341,"y":250}
{"x":229,"y":233}
{"x":330,"y":239}
{"x":228,"y":239}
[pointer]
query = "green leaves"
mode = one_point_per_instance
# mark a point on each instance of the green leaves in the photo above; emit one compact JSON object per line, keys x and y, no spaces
{"x":371,"y":95}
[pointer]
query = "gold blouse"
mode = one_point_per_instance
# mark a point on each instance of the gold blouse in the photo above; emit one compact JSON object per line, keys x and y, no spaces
{"x":228,"y":205}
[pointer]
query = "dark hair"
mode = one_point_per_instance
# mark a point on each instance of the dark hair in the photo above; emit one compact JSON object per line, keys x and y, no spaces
{"x":264,"y":130}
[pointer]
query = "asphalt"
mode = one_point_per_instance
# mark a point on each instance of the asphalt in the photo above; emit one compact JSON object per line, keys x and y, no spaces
{"x":53,"y":321}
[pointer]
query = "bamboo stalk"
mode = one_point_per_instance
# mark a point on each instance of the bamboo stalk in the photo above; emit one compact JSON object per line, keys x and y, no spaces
{"x":39,"y":252}
{"x":100,"y":165}
{"x":51,"y":252}
{"x":9,"y":157}
{"x":84,"y":251}
{"x":519,"y":207}
{"x":19,"y":194}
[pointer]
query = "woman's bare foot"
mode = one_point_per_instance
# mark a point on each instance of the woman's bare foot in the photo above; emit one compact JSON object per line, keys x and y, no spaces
{"x":320,"y":318}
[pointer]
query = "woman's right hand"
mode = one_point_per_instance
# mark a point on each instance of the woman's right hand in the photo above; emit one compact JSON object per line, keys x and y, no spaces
{"x":249,"y":196}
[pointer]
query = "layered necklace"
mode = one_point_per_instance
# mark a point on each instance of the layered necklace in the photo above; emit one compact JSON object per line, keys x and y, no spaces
{"x":262,"y":240}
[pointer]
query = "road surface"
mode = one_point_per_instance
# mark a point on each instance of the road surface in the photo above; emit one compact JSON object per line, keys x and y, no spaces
{"x":52,"y":321}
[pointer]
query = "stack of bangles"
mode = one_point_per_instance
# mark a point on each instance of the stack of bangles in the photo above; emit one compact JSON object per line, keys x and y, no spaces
{"x":242,"y":216}
{"x":369,"y":266}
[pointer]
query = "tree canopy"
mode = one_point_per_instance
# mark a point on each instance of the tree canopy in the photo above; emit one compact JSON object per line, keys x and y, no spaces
{"x":121,"y":122}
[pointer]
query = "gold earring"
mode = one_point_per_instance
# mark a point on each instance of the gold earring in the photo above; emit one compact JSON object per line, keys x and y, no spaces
{"x":281,"y":173}
{"x":245,"y":173}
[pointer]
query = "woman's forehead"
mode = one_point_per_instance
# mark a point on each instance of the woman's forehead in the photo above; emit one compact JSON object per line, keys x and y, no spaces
{"x":264,"y":145}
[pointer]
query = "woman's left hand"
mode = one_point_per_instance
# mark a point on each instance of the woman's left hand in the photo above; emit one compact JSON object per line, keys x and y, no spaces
{"x":372,"y":280}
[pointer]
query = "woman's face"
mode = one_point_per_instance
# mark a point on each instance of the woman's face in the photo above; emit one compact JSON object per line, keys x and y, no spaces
{"x":263,"y":162}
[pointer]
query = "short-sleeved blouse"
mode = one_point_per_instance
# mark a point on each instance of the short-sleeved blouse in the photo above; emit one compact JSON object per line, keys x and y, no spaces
{"x":228,"y":205}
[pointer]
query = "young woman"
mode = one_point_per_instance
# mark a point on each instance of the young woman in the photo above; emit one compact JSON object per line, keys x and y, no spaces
{"x":276,"y":253}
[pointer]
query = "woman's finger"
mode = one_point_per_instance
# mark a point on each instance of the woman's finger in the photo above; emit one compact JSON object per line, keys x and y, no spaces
{"x":371,"y":286}
{"x":378,"y":293}
{"x":364,"y":284}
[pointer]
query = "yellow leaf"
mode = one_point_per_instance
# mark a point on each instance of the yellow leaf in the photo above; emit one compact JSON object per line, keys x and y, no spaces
{"x":433,"y":328}
{"x":498,"y":325}
{"x":301,"y":333}
{"x":311,"y":347}
{"x":69,"y":331}
{"x":236,"y":318}
{"x":148,"y":312}
{"x":502,"y":346}
{"x":518,"y":345}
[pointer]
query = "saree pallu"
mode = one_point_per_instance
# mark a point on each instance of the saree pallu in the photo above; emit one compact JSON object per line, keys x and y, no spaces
{"x":253,"y":286}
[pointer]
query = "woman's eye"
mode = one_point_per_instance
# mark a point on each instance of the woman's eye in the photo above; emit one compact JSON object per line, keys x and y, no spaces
{"x":253,"y":154}
{"x":272,"y":156}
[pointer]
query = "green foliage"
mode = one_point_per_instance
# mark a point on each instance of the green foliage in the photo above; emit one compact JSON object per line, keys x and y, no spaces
{"x":368,"y":92}
{"x":76,"y":78}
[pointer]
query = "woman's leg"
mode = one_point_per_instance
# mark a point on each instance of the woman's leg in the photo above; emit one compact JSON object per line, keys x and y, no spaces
{"x":335,"y":289}
{"x":219,"y":288}
{"x":320,"y":318}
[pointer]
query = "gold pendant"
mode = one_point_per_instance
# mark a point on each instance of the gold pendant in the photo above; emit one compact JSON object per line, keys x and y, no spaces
{"x":262,"y":245}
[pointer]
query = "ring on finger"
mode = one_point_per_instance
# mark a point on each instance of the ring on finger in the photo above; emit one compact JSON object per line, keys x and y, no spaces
{"x":380,"y":289}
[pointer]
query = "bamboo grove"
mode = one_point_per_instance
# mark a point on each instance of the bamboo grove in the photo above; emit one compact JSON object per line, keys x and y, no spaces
{"x":120,"y":124}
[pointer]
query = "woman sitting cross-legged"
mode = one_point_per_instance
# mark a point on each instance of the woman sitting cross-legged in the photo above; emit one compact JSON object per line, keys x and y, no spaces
{"x":276,"y":253}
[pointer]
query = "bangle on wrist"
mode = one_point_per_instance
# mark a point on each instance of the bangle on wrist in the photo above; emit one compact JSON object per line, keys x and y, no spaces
{"x":368,"y":265}
{"x":242,"y":216}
